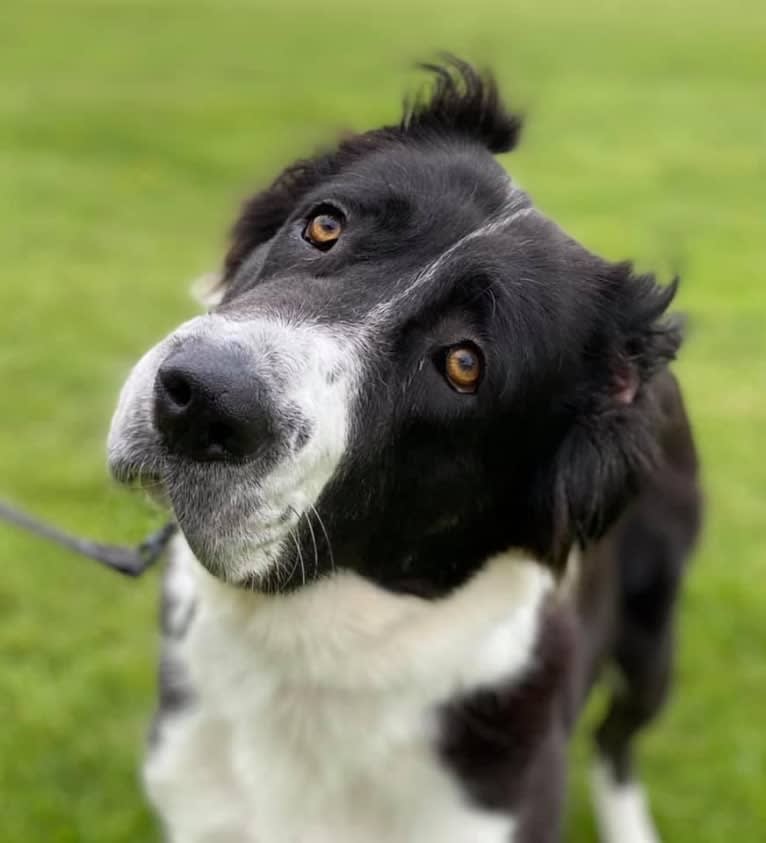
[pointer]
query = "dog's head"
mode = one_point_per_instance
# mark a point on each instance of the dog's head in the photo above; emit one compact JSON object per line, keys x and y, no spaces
{"x":410,"y":368}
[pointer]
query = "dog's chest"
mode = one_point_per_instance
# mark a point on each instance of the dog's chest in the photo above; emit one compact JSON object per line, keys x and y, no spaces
{"x":322,"y":766}
{"x":317,"y":717}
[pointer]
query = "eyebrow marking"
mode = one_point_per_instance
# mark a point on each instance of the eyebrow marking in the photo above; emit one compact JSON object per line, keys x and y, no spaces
{"x":519,"y":205}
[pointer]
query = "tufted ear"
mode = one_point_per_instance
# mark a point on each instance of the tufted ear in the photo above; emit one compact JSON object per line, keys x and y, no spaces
{"x":613,"y":440}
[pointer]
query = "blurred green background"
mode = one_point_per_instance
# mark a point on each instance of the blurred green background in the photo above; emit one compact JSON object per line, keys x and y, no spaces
{"x":129,"y":132}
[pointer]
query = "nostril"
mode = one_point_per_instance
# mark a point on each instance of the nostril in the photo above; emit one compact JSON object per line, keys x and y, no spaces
{"x":177,"y":387}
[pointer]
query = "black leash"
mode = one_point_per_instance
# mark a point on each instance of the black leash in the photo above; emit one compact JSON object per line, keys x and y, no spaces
{"x":130,"y":561}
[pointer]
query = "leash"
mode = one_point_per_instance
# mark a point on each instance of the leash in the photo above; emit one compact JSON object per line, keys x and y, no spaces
{"x":129,"y":561}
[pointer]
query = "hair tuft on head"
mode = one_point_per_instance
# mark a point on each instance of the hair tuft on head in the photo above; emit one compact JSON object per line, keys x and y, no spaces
{"x":462,"y":101}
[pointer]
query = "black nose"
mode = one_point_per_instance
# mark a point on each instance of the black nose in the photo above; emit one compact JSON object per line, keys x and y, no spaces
{"x":210,"y":405}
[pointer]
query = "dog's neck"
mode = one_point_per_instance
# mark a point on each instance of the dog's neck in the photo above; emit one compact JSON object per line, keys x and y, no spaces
{"x":347,"y":632}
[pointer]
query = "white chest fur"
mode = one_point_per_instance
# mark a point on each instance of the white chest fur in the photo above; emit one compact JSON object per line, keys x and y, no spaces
{"x":315,"y":713}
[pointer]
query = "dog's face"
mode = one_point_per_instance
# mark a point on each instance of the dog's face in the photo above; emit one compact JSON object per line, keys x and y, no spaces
{"x":410,"y":369}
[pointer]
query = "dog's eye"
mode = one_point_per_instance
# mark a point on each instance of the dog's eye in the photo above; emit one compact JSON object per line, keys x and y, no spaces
{"x":324,"y":229}
{"x":462,"y":367}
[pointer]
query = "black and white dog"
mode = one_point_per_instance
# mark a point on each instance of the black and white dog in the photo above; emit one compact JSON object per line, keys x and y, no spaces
{"x":432,"y":474}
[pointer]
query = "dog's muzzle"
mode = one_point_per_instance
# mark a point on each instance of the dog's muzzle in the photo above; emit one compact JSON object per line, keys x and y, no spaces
{"x":237,"y":425}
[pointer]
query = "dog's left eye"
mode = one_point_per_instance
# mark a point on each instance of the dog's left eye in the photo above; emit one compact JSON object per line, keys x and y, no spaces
{"x":323,"y":230}
{"x":462,"y":367}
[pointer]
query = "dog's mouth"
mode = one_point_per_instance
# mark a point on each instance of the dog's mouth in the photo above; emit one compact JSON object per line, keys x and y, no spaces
{"x":142,"y":476}
{"x":236,"y":528}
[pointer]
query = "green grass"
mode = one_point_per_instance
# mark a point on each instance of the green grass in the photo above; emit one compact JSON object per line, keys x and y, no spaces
{"x":129,"y":131}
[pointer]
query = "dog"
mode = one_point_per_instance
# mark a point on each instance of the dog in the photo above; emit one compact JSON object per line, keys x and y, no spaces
{"x":433,"y":476}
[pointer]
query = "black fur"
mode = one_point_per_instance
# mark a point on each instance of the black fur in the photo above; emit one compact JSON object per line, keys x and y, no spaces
{"x":575,"y":438}
{"x":463,"y":104}
{"x":493,"y":738}
{"x":569,"y":426}
{"x":508,"y":744}
{"x":546,"y":455}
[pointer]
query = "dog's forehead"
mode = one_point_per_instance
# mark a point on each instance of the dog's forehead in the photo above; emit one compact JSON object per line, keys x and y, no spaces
{"x":453,"y":206}
{"x":428,"y":173}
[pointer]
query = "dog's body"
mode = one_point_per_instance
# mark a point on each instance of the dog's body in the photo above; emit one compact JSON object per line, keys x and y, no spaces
{"x":433,"y":474}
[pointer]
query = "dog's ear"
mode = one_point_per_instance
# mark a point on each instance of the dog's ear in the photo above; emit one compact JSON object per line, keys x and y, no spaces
{"x":613,"y":440}
{"x":263,"y":214}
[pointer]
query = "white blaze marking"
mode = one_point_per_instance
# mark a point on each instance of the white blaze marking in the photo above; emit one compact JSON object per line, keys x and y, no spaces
{"x":517,"y":209}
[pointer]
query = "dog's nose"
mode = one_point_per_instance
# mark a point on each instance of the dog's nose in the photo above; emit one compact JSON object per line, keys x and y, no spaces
{"x":209,"y":404}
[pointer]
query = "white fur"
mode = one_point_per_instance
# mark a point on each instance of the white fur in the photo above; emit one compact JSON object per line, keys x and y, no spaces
{"x":622,"y":812}
{"x":295,"y":359}
{"x":315,"y":719}
{"x":207,"y":290}
{"x":301,"y":355}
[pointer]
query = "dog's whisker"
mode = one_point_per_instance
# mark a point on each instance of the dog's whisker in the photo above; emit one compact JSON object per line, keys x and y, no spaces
{"x":296,"y":541}
{"x":295,"y":558}
{"x":326,"y":536}
{"x":143,"y":479}
{"x":297,"y":544}
{"x":313,"y":540}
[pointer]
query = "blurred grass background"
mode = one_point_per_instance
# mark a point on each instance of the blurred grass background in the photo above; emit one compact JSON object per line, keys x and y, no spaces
{"x":130,"y":130}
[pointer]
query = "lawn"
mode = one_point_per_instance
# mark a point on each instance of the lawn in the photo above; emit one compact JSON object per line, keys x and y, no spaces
{"x":130,"y":130}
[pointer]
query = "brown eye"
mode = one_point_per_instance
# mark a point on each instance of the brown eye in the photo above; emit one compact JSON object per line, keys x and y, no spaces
{"x":323,"y":230}
{"x":463,"y":367}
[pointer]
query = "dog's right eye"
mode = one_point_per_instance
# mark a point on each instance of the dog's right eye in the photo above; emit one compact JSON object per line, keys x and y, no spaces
{"x":463,"y":367}
{"x":323,"y":229}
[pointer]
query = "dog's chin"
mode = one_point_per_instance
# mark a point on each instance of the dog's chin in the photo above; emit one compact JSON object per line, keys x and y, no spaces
{"x":244,"y":562}
{"x":232,"y":532}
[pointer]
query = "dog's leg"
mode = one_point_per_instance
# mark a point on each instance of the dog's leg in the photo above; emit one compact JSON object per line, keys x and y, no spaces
{"x":644,"y":659}
{"x":621,"y":807}
{"x":542,"y":813}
